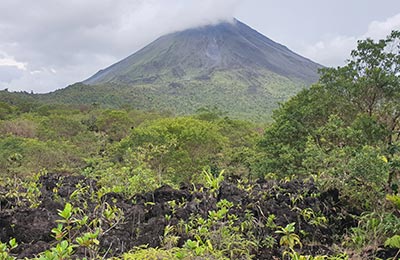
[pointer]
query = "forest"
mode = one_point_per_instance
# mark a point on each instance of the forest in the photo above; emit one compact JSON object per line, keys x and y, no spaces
{"x":319,"y":181}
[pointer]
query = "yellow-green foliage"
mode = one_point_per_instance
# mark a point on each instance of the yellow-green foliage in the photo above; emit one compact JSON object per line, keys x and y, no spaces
{"x":25,"y":156}
{"x":177,"y":147}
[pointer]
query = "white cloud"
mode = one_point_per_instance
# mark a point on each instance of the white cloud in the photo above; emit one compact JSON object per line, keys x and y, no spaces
{"x":68,"y":41}
{"x":378,"y":30}
{"x":7,"y":60}
{"x":12,"y":62}
{"x":335,"y":50}
{"x":53,"y":43}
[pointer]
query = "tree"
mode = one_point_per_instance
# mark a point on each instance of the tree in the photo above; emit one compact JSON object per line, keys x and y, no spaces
{"x":115,"y":123}
{"x":370,"y":82}
{"x":363,"y":96}
{"x":177,"y":147}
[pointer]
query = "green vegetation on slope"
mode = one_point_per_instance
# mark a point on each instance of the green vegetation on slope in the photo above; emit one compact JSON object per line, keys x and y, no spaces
{"x":320,"y":182}
{"x":227,"y":65}
{"x":346,"y":126}
{"x":242,"y":97}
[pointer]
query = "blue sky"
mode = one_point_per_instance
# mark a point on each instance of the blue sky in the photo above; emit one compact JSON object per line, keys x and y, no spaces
{"x":48,"y":44}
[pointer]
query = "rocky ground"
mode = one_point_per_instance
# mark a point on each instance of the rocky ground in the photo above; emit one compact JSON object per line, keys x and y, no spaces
{"x":144,"y":215}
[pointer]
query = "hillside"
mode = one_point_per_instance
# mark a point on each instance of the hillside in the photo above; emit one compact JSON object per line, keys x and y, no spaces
{"x":229,"y":66}
{"x":199,"y":52}
{"x":320,"y":182}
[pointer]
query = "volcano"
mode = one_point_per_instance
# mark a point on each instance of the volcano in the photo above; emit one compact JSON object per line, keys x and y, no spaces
{"x":228,"y":66}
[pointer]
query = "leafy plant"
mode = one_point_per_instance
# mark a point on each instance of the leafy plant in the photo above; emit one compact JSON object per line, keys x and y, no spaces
{"x":394,"y":242}
{"x":289,"y":239}
{"x":169,"y":240}
{"x":394,"y":199}
{"x":316,"y":219}
{"x":213,"y":182}
{"x":373,"y":229}
{"x":6,"y":248}
{"x":62,"y":251}
{"x":90,"y":242}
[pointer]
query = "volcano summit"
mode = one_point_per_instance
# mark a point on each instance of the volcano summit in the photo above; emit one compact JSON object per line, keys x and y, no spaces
{"x":226,"y":65}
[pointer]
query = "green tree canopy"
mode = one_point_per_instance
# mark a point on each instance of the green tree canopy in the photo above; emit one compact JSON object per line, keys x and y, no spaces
{"x":351,"y":110}
{"x":177,"y":147}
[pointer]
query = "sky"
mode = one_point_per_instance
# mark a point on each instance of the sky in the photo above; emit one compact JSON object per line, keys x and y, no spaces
{"x":49,"y":44}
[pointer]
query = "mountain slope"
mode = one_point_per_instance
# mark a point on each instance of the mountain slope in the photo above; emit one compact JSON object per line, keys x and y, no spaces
{"x":227,"y":65}
{"x":200,"y":51}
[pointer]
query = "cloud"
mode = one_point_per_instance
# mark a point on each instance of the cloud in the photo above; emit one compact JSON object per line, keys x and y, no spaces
{"x":378,"y":30}
{"x":9,"y":73}
{"x":6,"y":60}
{"x":335,"y":50}
{"x":55,"y":43}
